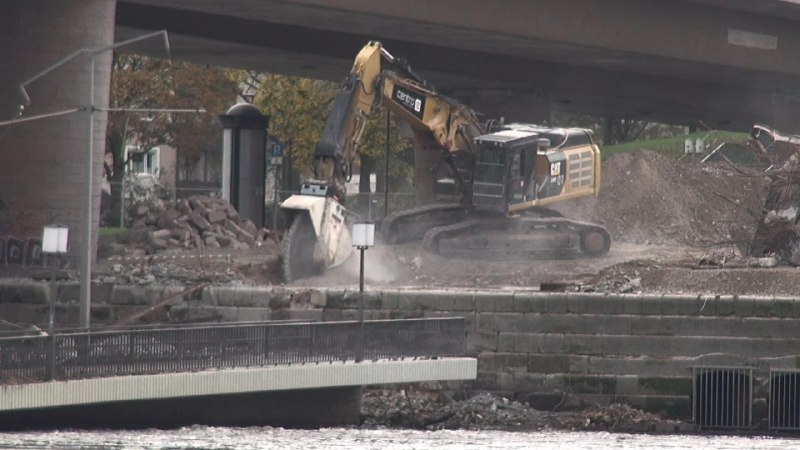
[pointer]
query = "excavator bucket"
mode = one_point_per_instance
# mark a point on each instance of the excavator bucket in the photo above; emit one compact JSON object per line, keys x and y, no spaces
{"x":318,"y":238}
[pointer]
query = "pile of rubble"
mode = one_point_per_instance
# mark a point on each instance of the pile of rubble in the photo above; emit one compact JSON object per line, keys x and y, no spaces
{"x":778,"y":231}
{"x":200,"y":222}
{"x":435,"y":410}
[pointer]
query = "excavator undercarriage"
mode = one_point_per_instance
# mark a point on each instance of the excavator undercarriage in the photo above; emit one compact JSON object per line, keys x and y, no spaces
{"x":450,"y":230}
{"x":517,"y":239}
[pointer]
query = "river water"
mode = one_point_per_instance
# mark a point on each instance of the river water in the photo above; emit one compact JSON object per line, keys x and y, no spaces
{"x":201,"y":437}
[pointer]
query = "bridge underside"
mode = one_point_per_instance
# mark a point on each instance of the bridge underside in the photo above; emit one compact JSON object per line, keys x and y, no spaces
{"x":497,"y":59}
{"x":309,"y":395}
{"x":304,"y":408}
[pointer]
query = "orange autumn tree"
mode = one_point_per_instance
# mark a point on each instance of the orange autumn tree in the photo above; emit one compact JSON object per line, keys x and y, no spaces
{"x":141,"y":82}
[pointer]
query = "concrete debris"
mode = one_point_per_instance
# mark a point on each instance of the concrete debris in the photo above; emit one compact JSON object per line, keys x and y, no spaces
{"x":786,"y":215}
{"x":778,"y":233}
{"x":197,"y":222}
{"x":437,"y":410}
{"x":196,"y":240}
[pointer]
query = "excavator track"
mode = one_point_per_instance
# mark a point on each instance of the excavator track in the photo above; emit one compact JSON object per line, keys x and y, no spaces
{"x":518,"y":238}
{"x":412,"y":224}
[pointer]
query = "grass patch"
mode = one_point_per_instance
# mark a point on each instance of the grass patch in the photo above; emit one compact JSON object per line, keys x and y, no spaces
{"x":673,"y":146}
{"x":112,"y":231}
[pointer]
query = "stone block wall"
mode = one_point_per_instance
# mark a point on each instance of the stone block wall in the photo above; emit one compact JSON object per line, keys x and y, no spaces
{"x":553,"y":350}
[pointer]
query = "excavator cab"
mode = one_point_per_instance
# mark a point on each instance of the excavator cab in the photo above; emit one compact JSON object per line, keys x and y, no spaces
{"x":523,"y":166}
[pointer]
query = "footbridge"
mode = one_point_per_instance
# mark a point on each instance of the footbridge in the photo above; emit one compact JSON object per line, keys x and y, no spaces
{"x":276,"y":373}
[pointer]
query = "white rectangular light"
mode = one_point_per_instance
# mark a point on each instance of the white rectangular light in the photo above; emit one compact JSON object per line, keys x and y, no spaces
{"x":55,"y":238}
{"x":363,"y":234}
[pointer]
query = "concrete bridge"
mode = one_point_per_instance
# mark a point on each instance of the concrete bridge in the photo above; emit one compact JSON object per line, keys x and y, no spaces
{"x":282,"y":374}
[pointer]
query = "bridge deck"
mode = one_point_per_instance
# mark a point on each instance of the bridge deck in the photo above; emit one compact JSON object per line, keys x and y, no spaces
{"x":233,"y":381}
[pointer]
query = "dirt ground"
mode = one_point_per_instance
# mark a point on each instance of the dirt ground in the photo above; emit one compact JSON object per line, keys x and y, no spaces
{"x":677,"y":226}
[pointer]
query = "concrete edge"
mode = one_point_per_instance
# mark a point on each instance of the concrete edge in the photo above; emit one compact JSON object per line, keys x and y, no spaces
{"x":233,"y":381}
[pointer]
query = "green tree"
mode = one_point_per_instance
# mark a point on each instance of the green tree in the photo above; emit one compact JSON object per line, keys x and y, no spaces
{"x":298,"y":109}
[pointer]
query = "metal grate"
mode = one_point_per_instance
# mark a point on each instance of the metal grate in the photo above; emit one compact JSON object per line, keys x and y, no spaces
{"x":784,"y":399}
{"x":581,"y":169}
{"x":488,"y":196}
{"x":722,"y":397}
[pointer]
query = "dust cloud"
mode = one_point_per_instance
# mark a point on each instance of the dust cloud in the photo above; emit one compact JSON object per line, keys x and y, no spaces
{"x":381,"y":267}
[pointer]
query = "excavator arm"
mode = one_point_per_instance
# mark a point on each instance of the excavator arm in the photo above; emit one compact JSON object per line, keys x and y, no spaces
{"x":380,"y":79}
{"x":377,"y":78}
{"x":358,"y":95}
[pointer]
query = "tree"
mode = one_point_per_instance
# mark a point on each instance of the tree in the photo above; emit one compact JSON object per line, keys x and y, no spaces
{"x":298,"y":109}
{"x":619,"y":130}
{"x":140,"y":82}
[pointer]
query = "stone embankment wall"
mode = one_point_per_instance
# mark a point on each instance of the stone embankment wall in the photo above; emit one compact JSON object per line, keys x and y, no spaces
{"x":554,"y":350}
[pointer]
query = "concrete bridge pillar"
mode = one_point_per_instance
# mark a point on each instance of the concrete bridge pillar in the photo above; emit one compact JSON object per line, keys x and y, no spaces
{"x":514,"y":106}
{"x":42,"y":171}
{"x":786,"y":111}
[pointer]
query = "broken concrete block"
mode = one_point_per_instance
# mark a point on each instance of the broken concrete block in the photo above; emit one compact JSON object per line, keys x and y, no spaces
{"x":181,"y":234}
{"x":233,"y":228}
{"x":217,"y":216}
{"x":225,"y":241}
{"x":198,"y":240}
{"x":788,"y":215}
{"x":197,"y":204}
{"x":249,"y":226}
{"x":199,"y":221}
{"x":182,"y":205}
{"x":768,"y":261}
{"x":231,"y":211}
{"x":160,"y":234}
{"x":159,"y":244}
{"x":168,"y":218}
{"x":247,"y":238}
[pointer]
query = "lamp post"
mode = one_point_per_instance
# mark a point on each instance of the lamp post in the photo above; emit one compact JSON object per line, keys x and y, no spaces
{"x":363,"y":238}
{"x":54,"y":242}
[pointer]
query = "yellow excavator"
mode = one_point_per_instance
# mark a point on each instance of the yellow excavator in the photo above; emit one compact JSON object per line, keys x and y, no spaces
{"x":497,"y":177}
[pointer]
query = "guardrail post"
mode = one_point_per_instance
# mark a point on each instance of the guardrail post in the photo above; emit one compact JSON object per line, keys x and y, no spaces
{"x":361,"y":337}
{"x":51,"y":341}
{"x":51,"y":357}
{"x":360,"y":343}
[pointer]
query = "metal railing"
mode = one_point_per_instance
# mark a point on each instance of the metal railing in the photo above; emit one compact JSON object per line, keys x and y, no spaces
{"x":70,"y":355}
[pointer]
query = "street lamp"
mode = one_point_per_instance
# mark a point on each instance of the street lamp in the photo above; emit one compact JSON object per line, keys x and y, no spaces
{"x":363,"y":238}
{"x":363,"y":235}
{"x":54,"y":242}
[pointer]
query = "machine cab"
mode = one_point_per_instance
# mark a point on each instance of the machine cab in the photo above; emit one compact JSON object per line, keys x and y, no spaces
{"x":522,"y":166}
